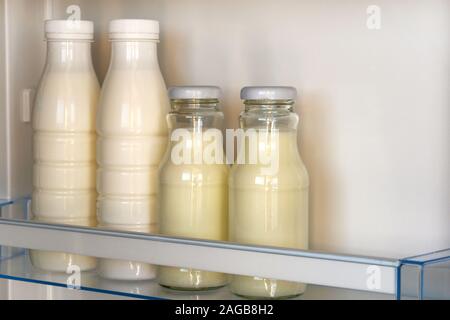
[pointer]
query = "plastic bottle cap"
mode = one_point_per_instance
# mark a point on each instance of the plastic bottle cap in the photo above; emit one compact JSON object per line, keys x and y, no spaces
{"x":69,"y":30}
{"x":134,"y":29}
{"x":269,"y":93}
{"x":195,"y":92}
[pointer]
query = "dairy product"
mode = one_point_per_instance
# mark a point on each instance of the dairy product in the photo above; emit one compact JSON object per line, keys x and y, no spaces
{"x":193,"y":199}
{"x":127,"y":270}
{"x":132,"y":137}
{"x":60,"y":261}
{"x":193,"y":204}
{"x":272,"y":211}
{"x":64,"y":138}
{"x":269,"y":207}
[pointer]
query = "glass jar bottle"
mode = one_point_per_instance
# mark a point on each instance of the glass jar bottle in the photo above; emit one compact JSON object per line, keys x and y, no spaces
{"x":193,"y":181}
{"x":64,"y":138}
{"x":269,"y":186}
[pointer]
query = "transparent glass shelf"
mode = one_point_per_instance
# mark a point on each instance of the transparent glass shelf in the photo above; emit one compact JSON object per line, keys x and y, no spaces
{"x":425,"y":276}
{"x":328,"y":275}
{"x":19,"y":268}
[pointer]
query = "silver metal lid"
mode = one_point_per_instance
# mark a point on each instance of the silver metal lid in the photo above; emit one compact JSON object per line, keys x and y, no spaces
{"x":269,"y":93}
{"x":195,"y":92}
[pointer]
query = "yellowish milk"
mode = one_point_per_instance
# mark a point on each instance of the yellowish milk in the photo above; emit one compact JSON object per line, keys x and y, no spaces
{"x":193,"y":203}
{"x":270,"y":210}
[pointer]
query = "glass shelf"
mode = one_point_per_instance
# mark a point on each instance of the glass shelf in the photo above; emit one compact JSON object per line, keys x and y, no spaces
{"x":425,"y":276}
{"x":329,"y":275}
{"x":19,"y":268}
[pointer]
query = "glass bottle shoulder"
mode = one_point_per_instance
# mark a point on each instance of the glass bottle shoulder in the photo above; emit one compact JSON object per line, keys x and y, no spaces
{"x":278,"y":164}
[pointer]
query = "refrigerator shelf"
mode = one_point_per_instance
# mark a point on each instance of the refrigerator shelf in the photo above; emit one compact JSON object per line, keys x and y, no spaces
{"x":368,"y":276}
{"x":19,"y":268}
{"x":425,"y":276}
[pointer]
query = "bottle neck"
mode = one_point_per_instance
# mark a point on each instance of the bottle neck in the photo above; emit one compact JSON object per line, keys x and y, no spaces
{"x":192,"y":106}
{"x":135,"y":54}
{"x":269,"y":106}
{"x":197,"y":115}
{"x":269,"y":115}
{"x":69,"y":55}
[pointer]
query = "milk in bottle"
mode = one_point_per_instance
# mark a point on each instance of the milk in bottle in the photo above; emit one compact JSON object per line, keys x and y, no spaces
{"x":132,"y":131}
{"x":193,"y":181}
{"x":269,"y":188}
{"x":64,"y":138}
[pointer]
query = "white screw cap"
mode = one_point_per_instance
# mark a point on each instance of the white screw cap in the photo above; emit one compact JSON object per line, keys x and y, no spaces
{"x":134,"y":29}
{"x":69,"y":30}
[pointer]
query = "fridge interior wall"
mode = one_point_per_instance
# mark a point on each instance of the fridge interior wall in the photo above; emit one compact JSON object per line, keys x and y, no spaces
{"x":374,"y":103}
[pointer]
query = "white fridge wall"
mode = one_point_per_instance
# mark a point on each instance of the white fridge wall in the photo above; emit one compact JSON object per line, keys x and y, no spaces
{"x":374,"y":104}
{"x":4,"y":181}
{"x":22,"y":52}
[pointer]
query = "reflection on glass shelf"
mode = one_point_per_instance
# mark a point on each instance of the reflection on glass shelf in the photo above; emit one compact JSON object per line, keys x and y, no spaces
{"x":20,"y":269}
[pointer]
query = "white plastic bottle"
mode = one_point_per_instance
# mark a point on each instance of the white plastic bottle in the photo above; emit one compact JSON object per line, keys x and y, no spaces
{"x":133,"y":134}
{"x":64,"y":138}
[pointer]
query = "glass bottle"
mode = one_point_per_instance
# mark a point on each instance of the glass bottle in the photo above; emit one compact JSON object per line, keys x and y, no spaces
{"x":193,"y":181}
{"x":269,"y":186}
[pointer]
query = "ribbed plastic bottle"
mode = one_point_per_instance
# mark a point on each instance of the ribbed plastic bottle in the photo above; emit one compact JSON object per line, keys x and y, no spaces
{"x":133,"y":136}
{"x":64,"y":138}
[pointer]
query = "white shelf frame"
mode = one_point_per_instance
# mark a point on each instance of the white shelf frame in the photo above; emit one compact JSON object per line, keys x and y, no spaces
{"x":378,"y":275}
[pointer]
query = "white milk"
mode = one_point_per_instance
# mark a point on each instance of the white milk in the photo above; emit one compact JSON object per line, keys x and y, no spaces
{"x":60,"y":261}
{"x":133,"y":135}
{"x":126,"y":270}
{"x":270,"y":210}
{"x":193,"y":204}
{"x":64,"y":139}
